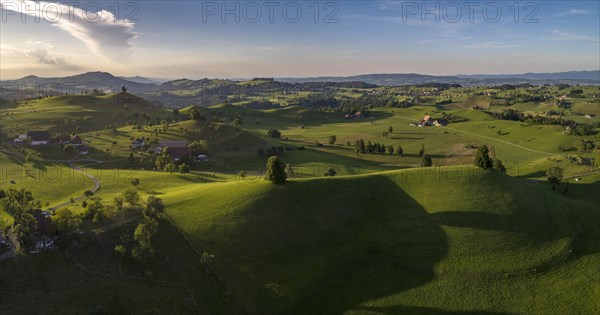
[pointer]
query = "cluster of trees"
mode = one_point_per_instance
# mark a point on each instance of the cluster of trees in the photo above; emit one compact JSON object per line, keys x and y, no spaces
{"x":453,"y":118}
{"x":20,"y":204}
{"x":142,"y":248}
{"x":164,"y":162}
{"x":515,"y":115}
{"x":376,"y":148}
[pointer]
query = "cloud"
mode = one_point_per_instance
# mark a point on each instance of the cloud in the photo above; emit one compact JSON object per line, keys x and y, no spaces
{"x":576,"y":12}
{"x":491,"y":45}
{"x":102,"y":33}
{"x":561,"y":35}
{"x":41,"y":56}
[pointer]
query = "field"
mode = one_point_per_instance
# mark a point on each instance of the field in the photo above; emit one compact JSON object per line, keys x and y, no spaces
{"x":383,"y":236}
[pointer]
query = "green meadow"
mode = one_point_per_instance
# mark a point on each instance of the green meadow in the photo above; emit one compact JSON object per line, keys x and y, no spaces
{"x":382,"y":236}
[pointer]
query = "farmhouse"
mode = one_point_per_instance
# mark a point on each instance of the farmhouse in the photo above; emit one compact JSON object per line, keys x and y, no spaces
{"x":178,"y":153}
{"x":77,"y":141}
{"x":63,"y":139}
{"x":138,"y":143}
{"x":440,"y":122}
{"x":428,"y":121}
{"x":176,"y":148}
{"x":20,"y":139}
{"x":38,"y":137}
{"x":44,"y":223}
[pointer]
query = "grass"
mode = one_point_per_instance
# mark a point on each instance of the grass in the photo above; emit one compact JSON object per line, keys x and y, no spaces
{"x":376,"y":239}
{"x":398,"y":241}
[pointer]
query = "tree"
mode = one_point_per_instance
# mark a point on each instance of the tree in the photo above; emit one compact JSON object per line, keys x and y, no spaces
{"x":120,"y":250}
{"x":332,"y":139}
{"x":422,"y":150}
{"x":391,"y":150}
{"x":183,"y":168}
{"x":162,"y":161}
{"x":25,"y":229}
{"x":17,"y":201}
{"x":195,"y":114}
{"x":135,"y":182}
{"x":482,"y":158}
{"x":123,"y":89}
{"x":132,"y":197}
{"x":118,"y":202}
{"x":426,"y":161}
{"x":199,"y":147}
{"x":330,"y":172}
{"x":390,"y":129}
{"x":362,"y":147}
{"x":154,"y":207}
{"x":274,"y":133}
{"x":275,"y":171}
{"x":555,"y":175}
{"x":143,"y":235}
{"x":499,"y":166}
{"x":95,"y":208}
{"x":400,"y":151}
{"x":171,"y":167}
{"x":66,"y":221}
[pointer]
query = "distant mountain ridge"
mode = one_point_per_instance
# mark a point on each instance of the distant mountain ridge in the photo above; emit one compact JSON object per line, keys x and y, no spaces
{"x":180,"y":90}
{"x":79,"y":83}
{"x":391,"y":79}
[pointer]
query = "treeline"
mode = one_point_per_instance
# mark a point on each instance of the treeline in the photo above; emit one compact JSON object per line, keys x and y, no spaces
{"x":375,"y":148}
{"x":515,"y":115}
{"x":453,"y":118}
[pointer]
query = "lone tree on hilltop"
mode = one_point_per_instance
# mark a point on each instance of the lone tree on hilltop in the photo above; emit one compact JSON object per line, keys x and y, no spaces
{"x":482,"y":158}
{"x":195,"y":114}
{"x":275,"y":171}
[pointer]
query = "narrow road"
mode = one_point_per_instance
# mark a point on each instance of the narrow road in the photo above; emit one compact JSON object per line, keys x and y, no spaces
{"x":94,"y":190}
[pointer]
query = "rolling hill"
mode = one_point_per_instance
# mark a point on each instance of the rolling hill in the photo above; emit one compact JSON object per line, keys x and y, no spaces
{"x":452,"y":240}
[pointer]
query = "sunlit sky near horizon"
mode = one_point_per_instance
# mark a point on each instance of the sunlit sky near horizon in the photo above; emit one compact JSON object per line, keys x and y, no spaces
{"x":195,"y":39}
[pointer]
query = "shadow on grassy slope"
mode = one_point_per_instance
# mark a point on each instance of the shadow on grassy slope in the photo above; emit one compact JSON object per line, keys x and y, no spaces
{"x":353,"y":239}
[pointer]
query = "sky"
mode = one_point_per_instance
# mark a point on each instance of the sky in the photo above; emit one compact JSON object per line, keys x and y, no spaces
{"x":239,"y":39}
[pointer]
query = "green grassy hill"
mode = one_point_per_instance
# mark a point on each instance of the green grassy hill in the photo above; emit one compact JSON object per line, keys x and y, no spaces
{"x":433,"y":241}
{"x":78,"y":113}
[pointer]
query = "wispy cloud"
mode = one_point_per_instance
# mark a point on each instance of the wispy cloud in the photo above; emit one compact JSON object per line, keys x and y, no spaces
{"x":491,"y":45}
{"x":561,"y":35}
{"x":102,"y":33}
{"x":576,"y":12}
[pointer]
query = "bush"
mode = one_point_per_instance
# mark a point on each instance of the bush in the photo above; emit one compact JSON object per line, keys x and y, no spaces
{"x":426,"y":161}
{"x":330,"y":172}
{"x":274,"y":133}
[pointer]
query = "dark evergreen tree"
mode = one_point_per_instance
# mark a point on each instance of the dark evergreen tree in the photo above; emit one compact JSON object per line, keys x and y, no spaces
{"x":275,"y":171}
{"x":482,"y":158}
